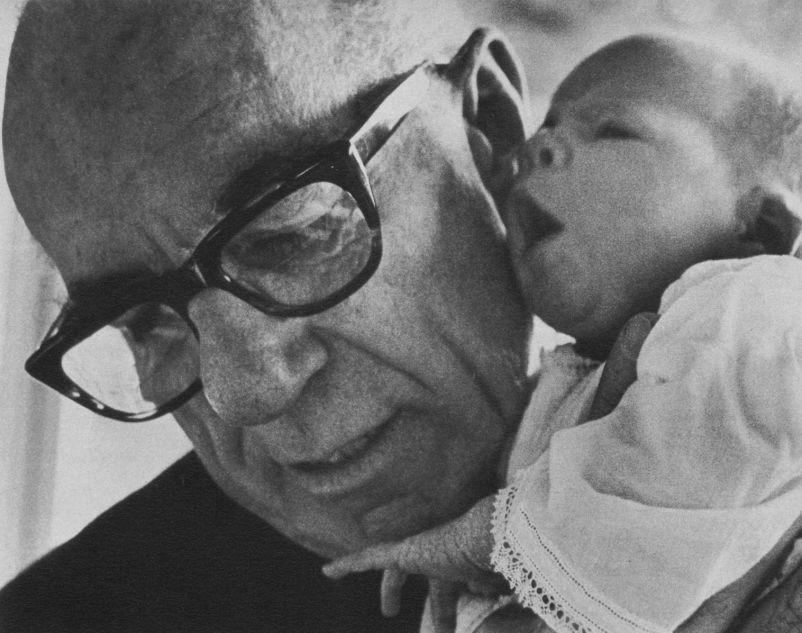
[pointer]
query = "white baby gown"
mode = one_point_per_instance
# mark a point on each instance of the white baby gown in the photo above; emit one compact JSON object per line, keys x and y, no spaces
{"x":628,"y":523}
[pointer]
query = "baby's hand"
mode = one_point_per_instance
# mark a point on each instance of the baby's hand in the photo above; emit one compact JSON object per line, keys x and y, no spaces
{"x":458,"y":551}
{"x":443,"y":598}
{"x":452,"y":555}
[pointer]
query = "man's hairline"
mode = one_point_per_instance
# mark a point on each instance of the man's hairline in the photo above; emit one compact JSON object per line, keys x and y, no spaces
{"x":240,"y":188}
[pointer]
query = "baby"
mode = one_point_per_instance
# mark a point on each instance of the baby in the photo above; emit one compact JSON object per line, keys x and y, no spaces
{"x":664,"y":177}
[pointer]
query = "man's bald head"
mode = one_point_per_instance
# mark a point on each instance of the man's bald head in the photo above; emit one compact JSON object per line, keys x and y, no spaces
{"x":97,"y":88}
{"x":128,"y":122}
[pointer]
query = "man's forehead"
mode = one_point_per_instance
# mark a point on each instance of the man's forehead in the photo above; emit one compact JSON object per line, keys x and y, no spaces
{"x":162,"y":179}
{"x":87,"y":38}
{"x":138,"y":127}
{"x":119,"y":90}
{"x":127,"y":121}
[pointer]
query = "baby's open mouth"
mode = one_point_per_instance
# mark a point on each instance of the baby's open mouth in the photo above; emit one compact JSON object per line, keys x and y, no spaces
{"x":535,"y":223}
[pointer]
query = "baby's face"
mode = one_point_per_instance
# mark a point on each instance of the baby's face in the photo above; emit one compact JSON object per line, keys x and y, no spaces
{"x":619,"y":191}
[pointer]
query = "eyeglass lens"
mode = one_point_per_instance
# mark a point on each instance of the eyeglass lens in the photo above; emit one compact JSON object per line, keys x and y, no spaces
{"x":143,"y":359}
{"x":299,"y":251}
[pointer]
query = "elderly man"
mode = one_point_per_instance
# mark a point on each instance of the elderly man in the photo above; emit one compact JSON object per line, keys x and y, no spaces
{"x":196,"y":170}
{"x":273,"y":222}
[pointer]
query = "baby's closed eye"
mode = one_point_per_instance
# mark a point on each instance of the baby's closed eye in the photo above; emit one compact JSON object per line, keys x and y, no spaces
{"x":616,"y":130}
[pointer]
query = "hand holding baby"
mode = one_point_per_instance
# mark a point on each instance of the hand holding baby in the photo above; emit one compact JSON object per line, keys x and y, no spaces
{"x":454,"y":556}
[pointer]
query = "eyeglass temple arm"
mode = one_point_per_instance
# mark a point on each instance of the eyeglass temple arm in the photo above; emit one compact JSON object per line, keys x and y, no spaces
{"x":403,"y":98}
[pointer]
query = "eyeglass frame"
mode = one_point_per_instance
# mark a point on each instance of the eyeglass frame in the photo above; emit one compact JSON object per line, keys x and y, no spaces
{"x":340,"y":163}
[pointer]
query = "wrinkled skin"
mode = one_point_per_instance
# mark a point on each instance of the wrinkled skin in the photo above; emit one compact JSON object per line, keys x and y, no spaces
{"x":457,"y":556}
{"x":627,"y":184}
{"x":435,"y":340}
{"x":425,"y":364}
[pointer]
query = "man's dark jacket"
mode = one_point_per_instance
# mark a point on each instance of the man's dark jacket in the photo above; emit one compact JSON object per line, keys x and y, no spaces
{"x":178,"y":555}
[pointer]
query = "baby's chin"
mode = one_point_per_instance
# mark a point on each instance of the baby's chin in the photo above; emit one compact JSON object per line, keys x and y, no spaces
{"x":594,"y":336}
{"x":596,"y":339}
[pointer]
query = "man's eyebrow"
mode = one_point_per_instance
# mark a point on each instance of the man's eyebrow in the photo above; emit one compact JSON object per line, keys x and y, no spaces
{"x":90,"y":290}
{"x":249,"y":182}
{"x":244,"y":186}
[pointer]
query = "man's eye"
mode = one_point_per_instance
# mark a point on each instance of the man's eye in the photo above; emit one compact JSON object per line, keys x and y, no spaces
{"x":147,"y":321}
{"x":267,"y":252}
{"x":305,"y":246}
{"x":614,"y":130}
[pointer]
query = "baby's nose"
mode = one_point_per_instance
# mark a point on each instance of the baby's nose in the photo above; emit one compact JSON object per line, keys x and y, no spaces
{"x":547,"y":149}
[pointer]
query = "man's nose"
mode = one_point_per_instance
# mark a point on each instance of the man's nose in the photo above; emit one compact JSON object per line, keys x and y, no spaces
{"x":547,"y":148}
{"x":253,"y":366}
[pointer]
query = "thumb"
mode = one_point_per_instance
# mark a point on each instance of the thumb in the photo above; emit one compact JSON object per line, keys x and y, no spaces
{"x":392,"y":582}
{"x":620,"y":369}
{"x":443,"y":596}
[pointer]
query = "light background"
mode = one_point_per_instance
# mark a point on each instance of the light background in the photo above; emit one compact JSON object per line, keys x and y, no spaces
{"x":60,"y":466}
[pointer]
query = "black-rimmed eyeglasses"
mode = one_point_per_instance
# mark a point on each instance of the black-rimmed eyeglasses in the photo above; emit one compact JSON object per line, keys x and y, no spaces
{"x":307,"y":241}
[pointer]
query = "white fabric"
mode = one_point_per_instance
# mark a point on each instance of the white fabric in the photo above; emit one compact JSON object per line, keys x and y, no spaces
{"x":565,"y":388}
{"x":472,"y":610}
{"x":628,"y":523}
{"x":562,"y":397}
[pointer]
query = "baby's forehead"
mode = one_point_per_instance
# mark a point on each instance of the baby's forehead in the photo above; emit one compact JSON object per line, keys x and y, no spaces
{"x":651,"y":70}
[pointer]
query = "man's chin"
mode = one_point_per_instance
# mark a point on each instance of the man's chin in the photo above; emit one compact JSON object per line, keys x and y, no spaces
{"x":408,"y":476}
{"x":401,"y":517}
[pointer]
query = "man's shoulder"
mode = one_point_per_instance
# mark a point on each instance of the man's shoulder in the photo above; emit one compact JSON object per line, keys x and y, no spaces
{"x":165,"y":546}
{"x":177,"y":555}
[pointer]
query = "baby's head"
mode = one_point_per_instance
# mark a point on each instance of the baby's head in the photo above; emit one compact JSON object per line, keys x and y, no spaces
{"x":656,"y":153}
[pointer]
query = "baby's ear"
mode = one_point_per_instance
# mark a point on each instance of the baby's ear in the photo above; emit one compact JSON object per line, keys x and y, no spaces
{"x":772,"y":220}
{"x":495,"y":103}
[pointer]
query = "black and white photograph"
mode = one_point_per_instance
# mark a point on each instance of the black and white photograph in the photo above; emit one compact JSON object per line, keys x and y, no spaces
{"x":401,"y":316}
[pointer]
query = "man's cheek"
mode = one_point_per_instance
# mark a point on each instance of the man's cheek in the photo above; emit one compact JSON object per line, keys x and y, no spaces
{"x":414,"y":241}
{"x":404,"y":515}
{"x":436,"y":484}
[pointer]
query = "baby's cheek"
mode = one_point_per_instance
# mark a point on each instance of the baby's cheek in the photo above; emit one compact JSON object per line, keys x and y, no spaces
{"x":526,"y":278}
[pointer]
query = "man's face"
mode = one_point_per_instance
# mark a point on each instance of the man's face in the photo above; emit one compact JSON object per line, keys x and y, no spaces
{"x":367,"y":422}
{"x":621,"y":189}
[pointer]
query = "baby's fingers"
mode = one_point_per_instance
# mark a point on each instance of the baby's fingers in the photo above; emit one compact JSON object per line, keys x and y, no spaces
{"x":392,"y":582}
{"x":376,"y":557}
{"x":443,"y":597}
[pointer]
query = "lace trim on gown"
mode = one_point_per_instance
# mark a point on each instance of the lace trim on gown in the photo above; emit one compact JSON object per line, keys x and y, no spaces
{"x":532,"y":587}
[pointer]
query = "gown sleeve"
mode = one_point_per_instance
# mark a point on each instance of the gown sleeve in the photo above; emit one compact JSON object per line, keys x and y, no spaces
{"x":628,"y":523}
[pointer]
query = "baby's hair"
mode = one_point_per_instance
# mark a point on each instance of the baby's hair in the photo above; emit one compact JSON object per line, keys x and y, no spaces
{"x":760,"y":130}
{"x":755,"y":113}
{"x":763,"y":127}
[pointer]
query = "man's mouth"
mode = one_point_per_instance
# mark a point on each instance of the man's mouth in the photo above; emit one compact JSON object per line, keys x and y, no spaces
{"x":349,"y":451}
{"x":355,"y":463}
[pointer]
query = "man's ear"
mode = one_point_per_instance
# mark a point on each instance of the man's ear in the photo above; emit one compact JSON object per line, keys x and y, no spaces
{"x":495,"y":102}
{"x":771,"y":218}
